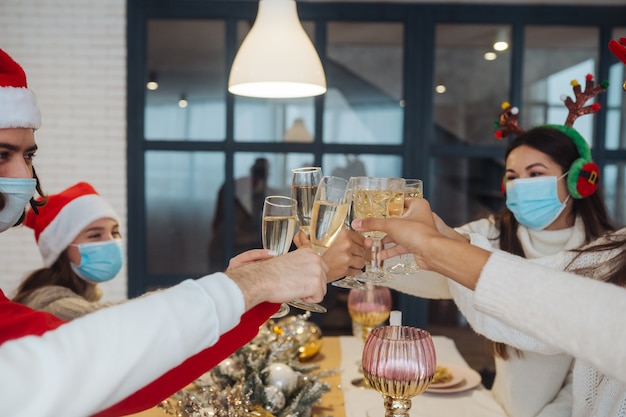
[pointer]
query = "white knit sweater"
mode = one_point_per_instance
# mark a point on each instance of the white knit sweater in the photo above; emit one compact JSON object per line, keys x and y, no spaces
{"x":538,"y":383}
{"x":565,"y":313}
{"x":530,"y":384}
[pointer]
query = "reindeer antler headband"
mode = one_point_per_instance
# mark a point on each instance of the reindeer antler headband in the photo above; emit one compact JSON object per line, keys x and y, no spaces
{"x":619,"y":50}
{"x":507,"y":121}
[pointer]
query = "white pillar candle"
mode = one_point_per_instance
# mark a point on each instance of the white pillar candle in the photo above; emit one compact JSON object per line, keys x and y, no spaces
{"x":395,"y":318}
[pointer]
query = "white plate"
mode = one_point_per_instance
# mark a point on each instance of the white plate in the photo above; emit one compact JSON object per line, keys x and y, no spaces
{"x":457,"y":377}
{"x":469,"y":379}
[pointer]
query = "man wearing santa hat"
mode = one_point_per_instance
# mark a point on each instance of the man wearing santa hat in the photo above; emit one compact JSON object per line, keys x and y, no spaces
{"x":120,"y":360}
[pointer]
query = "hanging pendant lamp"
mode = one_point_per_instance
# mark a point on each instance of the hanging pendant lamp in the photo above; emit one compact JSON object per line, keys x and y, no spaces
{"x":277,"y":59}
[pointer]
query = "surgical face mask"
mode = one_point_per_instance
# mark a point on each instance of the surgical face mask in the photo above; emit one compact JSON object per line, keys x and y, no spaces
{"x":535,"y":201}
{"x":99,"y":261}
{"x":17,"y":193}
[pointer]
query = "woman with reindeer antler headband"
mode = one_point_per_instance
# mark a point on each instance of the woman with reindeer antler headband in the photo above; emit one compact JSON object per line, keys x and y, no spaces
{"x":553,"y":205}
{"x":530,"y":302}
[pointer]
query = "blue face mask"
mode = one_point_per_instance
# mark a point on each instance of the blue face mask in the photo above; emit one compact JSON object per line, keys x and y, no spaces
{"x":17,"y":193}
{"x":99,"y":261}
{"x":535,"y":201}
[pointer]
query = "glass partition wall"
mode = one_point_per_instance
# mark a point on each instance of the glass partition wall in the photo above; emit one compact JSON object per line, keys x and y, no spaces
{"x":413,"y":91}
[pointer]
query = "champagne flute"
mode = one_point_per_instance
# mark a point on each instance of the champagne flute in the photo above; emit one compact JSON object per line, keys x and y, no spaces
{"x":399,"y":362}
{"x":304,"y":182}
{"x":278,"y":229}
{"x":413,"y":188}
{"x":370,"y":307}
{"x":349,"y":282}
{"x":330,"y":209}
{"x":377,"y":198}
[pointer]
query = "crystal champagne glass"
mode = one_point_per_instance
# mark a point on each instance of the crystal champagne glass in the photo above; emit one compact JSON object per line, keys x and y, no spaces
{"x":304,"y":182}
{"x":399,"y":362}
{"x":349,"y":282}
{"x":377,"y":198}
{"x":330,"y":209}
{"x":370,"y":307}
{"x":278,"y":229}
{"x":413,"y":188}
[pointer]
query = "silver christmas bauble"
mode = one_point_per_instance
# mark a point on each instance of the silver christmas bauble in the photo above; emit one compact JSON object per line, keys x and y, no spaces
{"x":275,"y":399}
{"x":231,"y":368}
{"x":282,"y":376}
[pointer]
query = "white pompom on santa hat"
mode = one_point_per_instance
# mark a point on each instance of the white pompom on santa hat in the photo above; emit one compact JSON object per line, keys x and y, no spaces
{"x":64,"y":216}
{"x":18,"y":104}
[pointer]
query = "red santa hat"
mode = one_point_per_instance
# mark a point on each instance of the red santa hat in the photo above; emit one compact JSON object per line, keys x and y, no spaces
{"x":64,"y":216}
{"x":18,"y":104}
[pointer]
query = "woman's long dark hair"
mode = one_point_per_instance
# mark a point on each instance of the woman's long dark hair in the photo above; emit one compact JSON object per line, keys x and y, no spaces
{"x":60,"y":273}
{"x":592,"y":210}
{"x":617,"y":264}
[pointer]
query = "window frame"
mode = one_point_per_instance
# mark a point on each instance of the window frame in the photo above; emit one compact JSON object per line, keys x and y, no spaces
{"x":420,"y":21}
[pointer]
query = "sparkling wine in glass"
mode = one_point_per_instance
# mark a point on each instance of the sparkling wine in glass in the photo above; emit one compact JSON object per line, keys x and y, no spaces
{"x":349,"y":282}
{"x":304,"y":183}
{"x":370,"y":307}
{"x":399,"y":362}
{"x":377,"y":198}
{"x":413,"y":188}
{"x":278,"y":229}
{"x":330,"y":209}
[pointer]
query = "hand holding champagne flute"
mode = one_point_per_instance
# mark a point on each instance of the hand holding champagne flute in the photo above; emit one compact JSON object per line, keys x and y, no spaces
{"x":304,"y":183}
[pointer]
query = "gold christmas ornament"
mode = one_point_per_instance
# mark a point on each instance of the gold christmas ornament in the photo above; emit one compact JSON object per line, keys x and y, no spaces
{"x":307,"y":334}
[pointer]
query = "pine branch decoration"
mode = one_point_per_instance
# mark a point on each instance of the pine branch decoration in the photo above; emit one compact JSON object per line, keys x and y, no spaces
{"x":240,"y":385}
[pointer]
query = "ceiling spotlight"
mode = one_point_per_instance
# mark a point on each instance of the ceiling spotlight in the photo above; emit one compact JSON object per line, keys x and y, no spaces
{"x":182,"y":101}
{"x":501,"y":42}
{"x":490,"y":56}
{"x":440,"y":88}
{"x":501,"y":46}
{"x":152,"y":83}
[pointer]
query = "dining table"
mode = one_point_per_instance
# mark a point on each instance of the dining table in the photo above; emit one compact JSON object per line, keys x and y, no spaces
{"x":468,"y":398}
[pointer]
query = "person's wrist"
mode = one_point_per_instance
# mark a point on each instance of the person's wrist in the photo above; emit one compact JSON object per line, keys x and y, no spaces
{"x":251,"y":288}
{"x":435,"y":251}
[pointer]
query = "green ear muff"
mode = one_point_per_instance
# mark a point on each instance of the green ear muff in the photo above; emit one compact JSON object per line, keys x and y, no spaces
{"x":583,"y":174}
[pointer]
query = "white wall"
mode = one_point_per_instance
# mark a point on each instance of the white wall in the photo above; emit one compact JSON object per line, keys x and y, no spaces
{"x":74,"y":55}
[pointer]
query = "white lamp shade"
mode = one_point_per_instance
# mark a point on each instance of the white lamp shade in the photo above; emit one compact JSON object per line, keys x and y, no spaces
{"x":277,"y":59}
